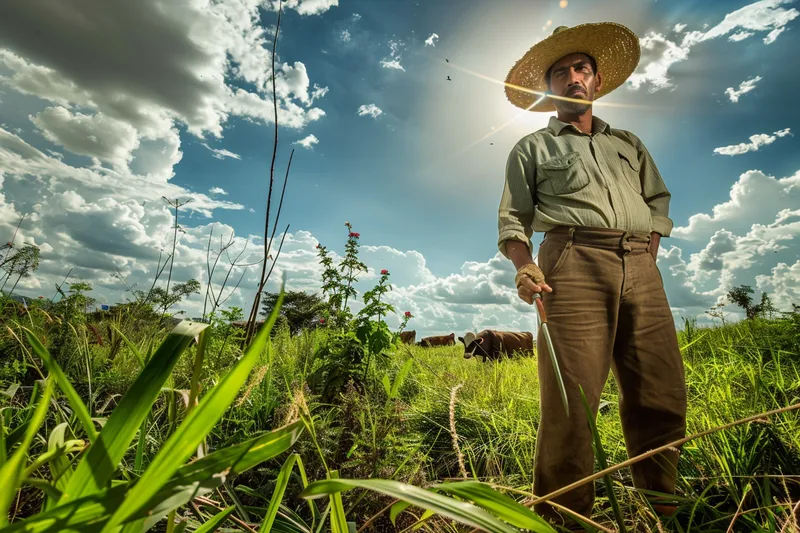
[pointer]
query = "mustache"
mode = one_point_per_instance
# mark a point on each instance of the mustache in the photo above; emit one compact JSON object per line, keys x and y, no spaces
{"x":574,"y":89}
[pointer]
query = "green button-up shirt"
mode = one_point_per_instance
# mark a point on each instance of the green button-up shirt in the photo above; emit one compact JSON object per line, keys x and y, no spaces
{"x":560,"y":176}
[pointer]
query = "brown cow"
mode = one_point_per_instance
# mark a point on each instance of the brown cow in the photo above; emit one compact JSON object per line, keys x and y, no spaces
{"x":491,"y":344}
{"x":438,"y":340}
{"x":408,"y":337}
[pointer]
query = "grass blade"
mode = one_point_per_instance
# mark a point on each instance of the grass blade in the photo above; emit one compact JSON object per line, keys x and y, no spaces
{"x":400,"y":378}
{"x":277,"y":495}
{"x":132,"y":347}
{"x":338,"y":518}
{"x":213,"y":524}
{"x":197,"y":424}
{"x":601,"y":458}
{"x":191,"y":480}
{"x":64,"y":384}
{"x":11,"y":472}
{"x":97,"y":467}
{"x":466,"y":513}
{"x":498,"y":504}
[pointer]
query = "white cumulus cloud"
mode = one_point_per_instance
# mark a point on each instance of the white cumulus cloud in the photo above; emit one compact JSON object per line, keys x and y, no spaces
{"x":307,"y":142}
{"x":392,"y":61}
{"x":659,"y":52}
{"x":756,"y":142}
{"x":306,"y":7}
{"x":370,"y":109}
{"x":221,"y":153}
{"x":744,"y":87}
{"x":431,"y":41}
{"x":740,"y":36}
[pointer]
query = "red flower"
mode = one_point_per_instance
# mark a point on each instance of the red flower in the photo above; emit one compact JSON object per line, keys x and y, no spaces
{"x":321,"y":320}
{"x":408,"y":314}
{"x":354,"y":235}
{"x":41,"y":297}
{"x":384,"y":272}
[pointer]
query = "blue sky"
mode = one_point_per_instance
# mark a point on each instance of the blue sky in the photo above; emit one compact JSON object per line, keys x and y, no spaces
{"x":134,"y":112}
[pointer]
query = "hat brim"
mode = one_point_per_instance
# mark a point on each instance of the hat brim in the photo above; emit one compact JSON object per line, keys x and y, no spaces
{"x":615,"y":48}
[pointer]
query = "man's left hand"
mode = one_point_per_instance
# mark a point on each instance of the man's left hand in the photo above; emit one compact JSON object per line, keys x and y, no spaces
{"x":655,"y":239}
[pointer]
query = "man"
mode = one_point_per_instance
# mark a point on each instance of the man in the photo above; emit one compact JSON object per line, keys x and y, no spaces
{"x":595,"y":192}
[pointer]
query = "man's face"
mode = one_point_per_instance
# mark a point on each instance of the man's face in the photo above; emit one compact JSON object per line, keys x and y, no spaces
{"x":572,"y":77}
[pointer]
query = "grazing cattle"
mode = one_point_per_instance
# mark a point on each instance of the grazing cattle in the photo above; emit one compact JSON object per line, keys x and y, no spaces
{"x":438,"y":340}
{"x":491,"y":344}
{"x":408,"y":337}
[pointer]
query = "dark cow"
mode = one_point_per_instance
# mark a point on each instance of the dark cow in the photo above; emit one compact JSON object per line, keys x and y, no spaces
{"x":438,"y":340}
{"x":408,"y":337}
{"x":491,"y":344}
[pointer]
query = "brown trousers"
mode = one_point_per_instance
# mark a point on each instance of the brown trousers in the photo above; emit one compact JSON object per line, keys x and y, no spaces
{"x":607,"y":310}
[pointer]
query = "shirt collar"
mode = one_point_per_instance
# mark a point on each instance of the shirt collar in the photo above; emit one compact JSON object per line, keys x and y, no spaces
{"x":598,"y":126}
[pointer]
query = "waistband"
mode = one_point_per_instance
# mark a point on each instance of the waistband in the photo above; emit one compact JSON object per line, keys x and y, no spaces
{"x":607,"y":238}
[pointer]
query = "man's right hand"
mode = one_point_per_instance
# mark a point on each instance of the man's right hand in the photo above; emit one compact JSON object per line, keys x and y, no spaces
{"x":530,"y":280}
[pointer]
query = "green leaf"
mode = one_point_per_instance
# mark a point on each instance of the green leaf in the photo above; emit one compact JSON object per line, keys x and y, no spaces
{"x":498,"y":504}
{"x":463,"y":512}
{"x":64,"y":384}
{"x":52,"y":493}
{"x":215,"y":522}
{"x":98,"y":465}
{"x":60,"y":467}
{"x":601,"y":459}
{"x":10,"y":473}
{"x":338,"y":518}
{"x":191,"y":480}
{"x":401,"y":377}
{"x":387,"y":386}
{"x":197,"y":424}
{"x":132,"y":347}
{"x":277,"y":495}
{"x":396,"y":509}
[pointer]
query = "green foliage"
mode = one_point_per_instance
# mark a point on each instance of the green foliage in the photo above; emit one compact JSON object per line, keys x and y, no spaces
{"x":21,"y":264}
{"x":160,"y":300}
{"x":299,"y":311}
{"x":374,"y":412}
{"x":340,"y":360}
{"x":355,"y":342}
{"x":373,"y":307}
{"x":741,"y":296}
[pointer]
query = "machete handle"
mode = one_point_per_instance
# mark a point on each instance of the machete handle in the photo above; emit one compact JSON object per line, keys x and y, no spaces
{"x":540,"y":307}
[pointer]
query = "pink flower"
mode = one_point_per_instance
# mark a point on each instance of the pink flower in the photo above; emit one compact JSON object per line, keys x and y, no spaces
{"x":408,"y":314}
{"x":384,"y":272}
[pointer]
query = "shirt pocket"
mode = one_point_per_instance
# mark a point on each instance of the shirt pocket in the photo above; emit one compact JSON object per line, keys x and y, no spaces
{"x":565,"y":174}
{"x":629,"y":166}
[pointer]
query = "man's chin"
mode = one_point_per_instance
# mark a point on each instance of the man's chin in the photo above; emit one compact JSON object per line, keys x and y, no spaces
{"x":572,"y":108}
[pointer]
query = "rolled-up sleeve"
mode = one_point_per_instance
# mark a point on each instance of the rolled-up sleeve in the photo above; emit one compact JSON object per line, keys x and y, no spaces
{"x":654,"y":191}
{"x":515,"y":215}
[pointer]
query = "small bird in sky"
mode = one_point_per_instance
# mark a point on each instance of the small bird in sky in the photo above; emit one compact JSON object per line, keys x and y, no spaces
{"x":446,"y":59}
{"x":448,"y":78}
{"x":491,"y":144}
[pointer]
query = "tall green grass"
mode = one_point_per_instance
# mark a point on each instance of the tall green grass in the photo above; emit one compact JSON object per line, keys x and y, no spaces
{"x":243,"y":474}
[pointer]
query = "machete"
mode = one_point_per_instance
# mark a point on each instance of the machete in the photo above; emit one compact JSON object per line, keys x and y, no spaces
{"x":543,"y":324}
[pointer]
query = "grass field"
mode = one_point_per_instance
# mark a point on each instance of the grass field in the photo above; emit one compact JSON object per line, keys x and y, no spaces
{"x":119,"y":448}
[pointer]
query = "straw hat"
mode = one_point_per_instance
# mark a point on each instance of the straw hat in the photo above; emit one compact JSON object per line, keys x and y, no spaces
{"x":614,"y":47}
